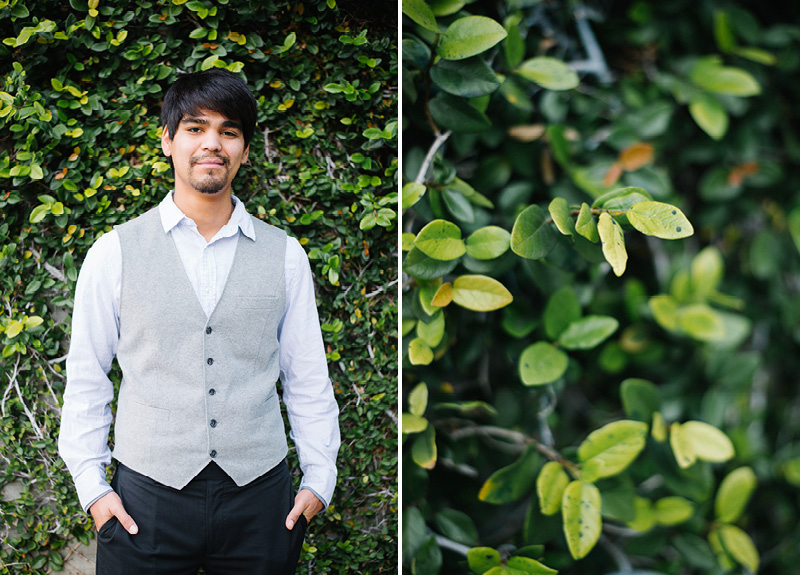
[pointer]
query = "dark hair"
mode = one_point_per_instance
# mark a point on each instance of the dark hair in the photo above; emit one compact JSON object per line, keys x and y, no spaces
{"x":217,"y":90}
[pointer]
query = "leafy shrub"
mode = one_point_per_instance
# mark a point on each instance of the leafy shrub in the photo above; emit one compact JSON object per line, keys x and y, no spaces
{"x":600,"y":280}
{"x":79,"y":136}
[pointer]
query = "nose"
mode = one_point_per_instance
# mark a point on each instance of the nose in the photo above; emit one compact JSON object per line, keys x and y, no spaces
{"x":211,"y":141}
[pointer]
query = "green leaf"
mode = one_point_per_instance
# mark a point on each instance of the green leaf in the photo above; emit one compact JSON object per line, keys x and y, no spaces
{"x":432,"y":332}
{"x":622,"y":199}
{"x":488,"y":243}
{"x":586,"y":226}
{"x":757,"y":55}
{"x":423,"y":450}
{"x":709,"y":114}
{"x":613,"y":241}
{"x":660,"y":220}
{"x":36,"y":172}
{"x":734,"y":493}
{"x":420,"y":266}
{"x":532,"y":237}
{"x":583,"y":522}
{"x":562,"y":309}
{"x":723,"y":34}
{"x":791,"y":471}
{"x":609,"y":450}
{"x":640,"y":398}
{"x":481,"y":559}
{"x":458,"y":206}
{"x":446,"y":7}
{"x":412,"y":193}
{"x":441,"y":240}
{"x":644,"y":518}
{"x":33,"y":321}
{"x":419,"y":352}
{"x":740,"y":546}
{"x":457,"y":525}
{"x":469,"y":36}
{"x":468,"y":78}
{"x":542,"y":363}
{"x":512,"y":482}
{"x":549,"y":73}
{"x":673,"y":510}
{"x":421,"y":13}
{"x":480,"y":293}
{"x":559,"y":211}
{"x":457,"y":114}
{"x":527,"y":566}
{"x":710,"y":75}
{"x":428,"y":560}
{"x":695,"y":440}
{"x":550,"y":486}
{"x":588,"y":332}
{"x":418,"y":399}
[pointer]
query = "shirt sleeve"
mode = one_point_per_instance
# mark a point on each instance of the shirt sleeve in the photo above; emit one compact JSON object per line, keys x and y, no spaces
{"x":307,"y":391}
{"x":86,"y":413}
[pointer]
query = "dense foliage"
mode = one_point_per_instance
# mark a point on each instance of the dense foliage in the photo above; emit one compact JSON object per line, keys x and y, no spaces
{"x":600,"y":314}
{"x":79,"y":152}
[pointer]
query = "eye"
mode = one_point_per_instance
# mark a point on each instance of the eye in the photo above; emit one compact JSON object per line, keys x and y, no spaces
{"x":193,"y":129}
{"x":231,"y":134}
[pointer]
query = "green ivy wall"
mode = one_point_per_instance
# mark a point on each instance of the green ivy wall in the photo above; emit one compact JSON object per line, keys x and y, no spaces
{"x":80,"y":90}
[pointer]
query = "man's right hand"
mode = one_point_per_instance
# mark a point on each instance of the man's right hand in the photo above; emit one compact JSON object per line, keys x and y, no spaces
{"x":108,"y":506}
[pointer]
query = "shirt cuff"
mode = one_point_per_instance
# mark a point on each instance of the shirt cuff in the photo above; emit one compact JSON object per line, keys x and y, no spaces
{"x":318,"y":496}
{"x":319,"y":486}
{"x":91,"y":485}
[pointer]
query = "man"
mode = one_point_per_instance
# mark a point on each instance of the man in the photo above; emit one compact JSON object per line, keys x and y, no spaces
{"x":204,"y":307}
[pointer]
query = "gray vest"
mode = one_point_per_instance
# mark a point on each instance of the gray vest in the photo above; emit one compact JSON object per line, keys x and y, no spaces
{"x":198,"y":389}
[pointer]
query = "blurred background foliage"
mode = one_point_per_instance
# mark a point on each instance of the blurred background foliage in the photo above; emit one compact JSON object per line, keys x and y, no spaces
{"x":515,"y":104}
{"x":79,"y":152}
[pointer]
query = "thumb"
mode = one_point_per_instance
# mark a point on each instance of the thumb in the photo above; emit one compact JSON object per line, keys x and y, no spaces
{"x":126,"y":520}
{"x":293,"y":516}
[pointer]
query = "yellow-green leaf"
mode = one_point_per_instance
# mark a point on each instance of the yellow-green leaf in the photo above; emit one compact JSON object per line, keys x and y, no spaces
{"x":440,"y":240}
{"x":559,"y":211}
{"x":613,"y":242}
{"x":585,"y":225}
{"x":421,"y":13}
{"x":413,"y":423}
{"x":418,"y":399}
{"x":549,"y":73}
{"x":665,"y":311}
{"x":412,"y":193}
{"x":644,"y":517}
{"x":740,"y":546}
{"x":660,"y":220}
{"x":611,"y":449}
{"x":488,"y":243}
{"x":14,"y":328}
{"x":701,"y":322}
{"x":443,"y":295}
{"x":734,"y":493}
{"x":588,"y":332}
{"x":469,"y":36}
{"x":709,"y":114}
{"x":419,"y":352}
{"x":423,"y":449}
{"x":481,"y":559}
{"x":550,"y":485}
{"x":432,"y":332}
{"x":480,"y":293}
{"x":673,"y":510}
{"x":695,"y":440}
{"x":581,"y":508}
{"x":33,"y":321}
{"x":520,"y":564}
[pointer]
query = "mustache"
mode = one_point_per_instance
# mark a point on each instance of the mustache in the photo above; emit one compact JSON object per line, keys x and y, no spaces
{"x":198,"y":159}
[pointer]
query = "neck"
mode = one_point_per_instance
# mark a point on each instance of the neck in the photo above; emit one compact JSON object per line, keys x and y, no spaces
{"x":209,"y":211}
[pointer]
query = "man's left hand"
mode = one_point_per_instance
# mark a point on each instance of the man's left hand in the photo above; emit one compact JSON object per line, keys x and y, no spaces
{"x":306,"y":503}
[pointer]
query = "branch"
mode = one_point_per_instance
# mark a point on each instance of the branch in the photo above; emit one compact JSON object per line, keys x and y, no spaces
{"x":451,"y":545}
{"x":53,"y":271}
{"x":622,"y":561}
{"x":596,"y":62}
{"x":441,"y":138}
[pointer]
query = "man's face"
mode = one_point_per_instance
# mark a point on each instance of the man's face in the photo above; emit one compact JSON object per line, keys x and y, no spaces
{"x":206,"y":150}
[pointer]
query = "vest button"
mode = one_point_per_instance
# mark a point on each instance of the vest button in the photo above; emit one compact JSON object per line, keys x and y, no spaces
{"x":208,"y":329}
{"x":210,"y":361}
{"x":213,"y":423}
{"x":212,"y":391}
{"x":213,"y":453}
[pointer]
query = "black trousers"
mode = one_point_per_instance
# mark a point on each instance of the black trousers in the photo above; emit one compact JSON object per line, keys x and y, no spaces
{"x":210,"y":523}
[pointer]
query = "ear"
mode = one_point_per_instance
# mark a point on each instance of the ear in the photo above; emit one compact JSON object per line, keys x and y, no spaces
{"x":166,"y":142}
{"x":246,"y":154}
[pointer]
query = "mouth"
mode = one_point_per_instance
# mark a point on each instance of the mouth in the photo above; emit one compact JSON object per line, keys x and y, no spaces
{"x":209,"y":162}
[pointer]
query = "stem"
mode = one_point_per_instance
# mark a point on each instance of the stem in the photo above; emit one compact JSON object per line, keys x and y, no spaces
{"x":451,"y":545}
{"x":622,"y":561}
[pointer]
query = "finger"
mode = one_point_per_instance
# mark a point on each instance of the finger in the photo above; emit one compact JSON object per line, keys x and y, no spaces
{"x":293,"y":516}
{"x":126,"y":520}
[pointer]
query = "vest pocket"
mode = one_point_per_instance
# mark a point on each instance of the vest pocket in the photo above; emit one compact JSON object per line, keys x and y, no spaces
{"x":150,"y":413}
{"x":256,"y":302}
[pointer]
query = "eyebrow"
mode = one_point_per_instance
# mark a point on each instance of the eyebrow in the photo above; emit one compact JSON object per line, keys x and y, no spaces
{"x":204,"y":122}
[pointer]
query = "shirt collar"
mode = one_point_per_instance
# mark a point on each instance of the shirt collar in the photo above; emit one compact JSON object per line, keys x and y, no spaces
{"x":171,"y":216}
